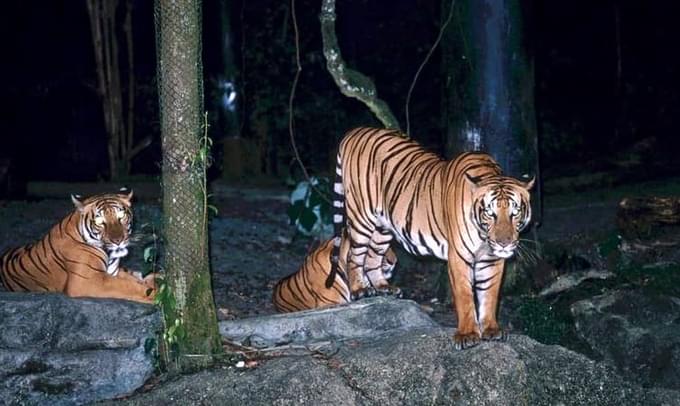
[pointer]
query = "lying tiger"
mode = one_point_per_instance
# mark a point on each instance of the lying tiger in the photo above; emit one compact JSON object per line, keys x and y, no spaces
{"x":463,"y":211}
{"x":307,"y":289}
{"x":80,"y":256}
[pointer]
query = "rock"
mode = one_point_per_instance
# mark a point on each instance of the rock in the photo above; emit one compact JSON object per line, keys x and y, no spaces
{"x":402,"y":366}
{"x":365,"y":318}
{"x":636,"y":332}
{"x":573,"y":279}
{"x":59,"y":350}
{"x":413,"y":367}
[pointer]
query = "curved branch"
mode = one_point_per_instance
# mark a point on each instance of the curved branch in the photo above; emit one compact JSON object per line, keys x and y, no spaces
{"x":351,"y":83}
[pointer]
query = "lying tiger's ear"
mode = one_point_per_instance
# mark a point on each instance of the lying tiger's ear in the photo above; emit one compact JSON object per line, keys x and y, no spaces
{"x":530,"y":184}
{"x":125,"y":194}
{"x":78,"y":202}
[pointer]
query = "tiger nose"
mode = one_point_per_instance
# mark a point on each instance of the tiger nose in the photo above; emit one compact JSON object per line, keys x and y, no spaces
{"x":117,"y":238}
{"x":505,"y":242}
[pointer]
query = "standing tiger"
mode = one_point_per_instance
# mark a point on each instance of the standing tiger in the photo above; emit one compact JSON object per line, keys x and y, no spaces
{"x":306,"y":288}
{"x":80,"y":255}
{"x":463,"y":211}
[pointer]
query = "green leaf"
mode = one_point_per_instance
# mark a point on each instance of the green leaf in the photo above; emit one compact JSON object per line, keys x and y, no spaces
{"x":149,"y":254}
{"x":307,"y":219}
{"x":295,"y":210}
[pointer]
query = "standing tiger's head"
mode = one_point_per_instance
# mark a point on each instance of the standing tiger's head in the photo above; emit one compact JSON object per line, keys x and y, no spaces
{"x":500,"y":211}
{"x":106,"y":221}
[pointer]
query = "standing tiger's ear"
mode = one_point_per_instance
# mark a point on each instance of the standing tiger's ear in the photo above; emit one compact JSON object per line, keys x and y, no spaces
{"x":78,"y":202}
{"x":530,"y":184}
{"x":472,"y":181}
{"x":125,"y":194}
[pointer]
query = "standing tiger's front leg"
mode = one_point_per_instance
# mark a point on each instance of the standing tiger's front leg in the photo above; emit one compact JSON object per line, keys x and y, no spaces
{"x":488,"y":278}
{"x":460,"y":278}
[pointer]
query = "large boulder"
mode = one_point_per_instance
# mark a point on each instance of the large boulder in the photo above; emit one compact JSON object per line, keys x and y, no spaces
{"x":413,"y":367}
{"x":59,"y":350}
{"x":404,"y":363}
{"x":636,"y":332}
{"x":365,"y":318}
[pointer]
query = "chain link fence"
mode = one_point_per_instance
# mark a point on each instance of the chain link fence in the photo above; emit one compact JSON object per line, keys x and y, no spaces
{"x":180,"y":87}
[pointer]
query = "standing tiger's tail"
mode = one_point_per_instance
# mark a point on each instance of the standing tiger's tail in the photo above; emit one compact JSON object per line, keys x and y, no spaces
{"x":338,"y":221}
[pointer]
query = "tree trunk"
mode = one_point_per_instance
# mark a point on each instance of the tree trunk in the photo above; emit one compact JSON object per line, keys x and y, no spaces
{"x":489,"y":84}
{"x":228,"y":79}
{"x":118,"y":113}
{"x":185,"y":231}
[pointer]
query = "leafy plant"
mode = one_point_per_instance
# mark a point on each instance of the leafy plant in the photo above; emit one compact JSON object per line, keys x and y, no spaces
{"x":309,"y":210}
{"x":173,"y":328}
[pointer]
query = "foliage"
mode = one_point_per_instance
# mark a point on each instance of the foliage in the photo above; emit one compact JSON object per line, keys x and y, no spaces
{"x":542,"y":321}
{"x":309,"y":211}
{"x":663,"y":279}
{"x":173,"y":327}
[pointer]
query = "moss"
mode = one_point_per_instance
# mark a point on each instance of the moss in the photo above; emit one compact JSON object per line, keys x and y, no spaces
{"x":203,"y":334}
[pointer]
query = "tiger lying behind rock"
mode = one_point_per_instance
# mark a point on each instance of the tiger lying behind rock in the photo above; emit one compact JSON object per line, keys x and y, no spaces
{"x":80,"y":256}
{"x":307,"y":288}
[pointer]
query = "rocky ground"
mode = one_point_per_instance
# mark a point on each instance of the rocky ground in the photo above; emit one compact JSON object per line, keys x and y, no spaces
{"x":614,"y":300}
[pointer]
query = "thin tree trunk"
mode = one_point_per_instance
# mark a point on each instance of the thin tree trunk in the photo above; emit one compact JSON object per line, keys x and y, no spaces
{"x":118,"y":114}
{"x":180,"y":81}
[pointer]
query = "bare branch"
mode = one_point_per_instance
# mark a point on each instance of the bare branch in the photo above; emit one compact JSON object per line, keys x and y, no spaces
{"x":351,"y":83}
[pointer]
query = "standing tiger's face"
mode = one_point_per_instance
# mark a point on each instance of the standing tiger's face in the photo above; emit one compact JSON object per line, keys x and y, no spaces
{"x":106,"y":222}
{"x":500,"y":211}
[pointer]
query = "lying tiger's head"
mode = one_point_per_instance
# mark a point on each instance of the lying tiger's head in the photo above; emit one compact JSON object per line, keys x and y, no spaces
{"x":106,"y":221}
{"x":500,"y":211}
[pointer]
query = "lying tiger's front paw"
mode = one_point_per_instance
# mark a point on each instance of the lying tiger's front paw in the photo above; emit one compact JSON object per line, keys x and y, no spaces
{"x":391,"y":291}
{"x":364,"y":292}
{"x":462,"y":341}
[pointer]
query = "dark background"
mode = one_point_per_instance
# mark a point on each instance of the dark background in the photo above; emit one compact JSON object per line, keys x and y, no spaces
{"x":589,"y":120}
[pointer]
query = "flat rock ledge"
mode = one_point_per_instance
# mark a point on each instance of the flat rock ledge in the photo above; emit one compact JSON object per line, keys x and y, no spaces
{"x":375,"y":355}
{"x":61,"y":351}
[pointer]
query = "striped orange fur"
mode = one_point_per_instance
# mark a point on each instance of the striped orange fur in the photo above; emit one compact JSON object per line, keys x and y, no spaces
{"x":463,"y":211}
{"x":306,"y":288}
{"x":80,"y":255}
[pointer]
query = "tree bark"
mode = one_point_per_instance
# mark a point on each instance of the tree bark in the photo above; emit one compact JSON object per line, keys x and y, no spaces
{"x":185,"y":231}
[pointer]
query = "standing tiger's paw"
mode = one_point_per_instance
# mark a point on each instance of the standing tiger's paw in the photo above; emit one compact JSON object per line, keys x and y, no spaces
{"x":462,"y":341}
{"x":494,"y":334}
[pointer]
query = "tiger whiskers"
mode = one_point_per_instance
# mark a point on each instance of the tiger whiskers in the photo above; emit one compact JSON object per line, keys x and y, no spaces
{"x":527,"y":255}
